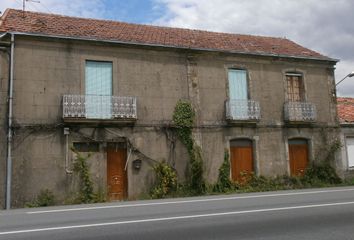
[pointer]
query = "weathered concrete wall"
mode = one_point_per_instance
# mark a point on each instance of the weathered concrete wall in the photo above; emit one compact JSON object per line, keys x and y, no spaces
{"x":47,"y":69}
{"x":267,"y":84}
{"x":3,"y":113}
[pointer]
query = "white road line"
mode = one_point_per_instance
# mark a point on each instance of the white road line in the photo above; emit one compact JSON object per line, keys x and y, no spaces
{"x":189,"y":201}
{"x":174,"y":218}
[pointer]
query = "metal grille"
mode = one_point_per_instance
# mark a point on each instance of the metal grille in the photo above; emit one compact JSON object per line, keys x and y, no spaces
{"x":100,"y":107}
{"x":242,"y":110}
{"x":299,"y":111}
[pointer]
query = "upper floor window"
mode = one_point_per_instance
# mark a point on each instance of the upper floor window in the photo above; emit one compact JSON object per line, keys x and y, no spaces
{"x":98,"y":78}
{"x":295,"y":87}
{"x":98,"y":89}
{"x":238,"y":89}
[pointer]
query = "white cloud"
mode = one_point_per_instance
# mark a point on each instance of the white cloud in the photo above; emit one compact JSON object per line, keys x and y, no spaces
{"x":79,"y":8}
{"x":324,"y":26}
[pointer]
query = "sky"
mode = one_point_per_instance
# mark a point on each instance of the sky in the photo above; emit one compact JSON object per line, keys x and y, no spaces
{"x":326,"y":26}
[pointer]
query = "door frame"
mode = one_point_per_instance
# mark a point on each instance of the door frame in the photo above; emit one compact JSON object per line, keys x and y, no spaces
{"x":301,"y":71}
{"x":126,"y":163}
{"x":287,"y":152}
{"x":255,"y":155}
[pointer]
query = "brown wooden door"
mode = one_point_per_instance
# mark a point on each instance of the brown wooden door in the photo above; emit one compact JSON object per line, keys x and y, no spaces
{"x":116,"y":174}
{"x":298,"y":157}
{"x":241,"y":160}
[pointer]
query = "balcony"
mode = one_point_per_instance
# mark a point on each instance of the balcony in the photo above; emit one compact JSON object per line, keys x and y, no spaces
{"x":242,"y":111}
{"x":299,"y":112}
{"x":94,"y":108}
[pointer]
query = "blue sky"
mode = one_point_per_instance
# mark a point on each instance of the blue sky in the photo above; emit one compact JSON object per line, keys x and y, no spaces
{"x":323,"y":26}
{"x":134,"y":11}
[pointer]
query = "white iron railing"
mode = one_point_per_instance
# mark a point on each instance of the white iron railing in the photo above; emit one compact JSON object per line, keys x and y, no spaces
{"x":99,"y":107}
{"x":242,"y":110}
{"x":300,"y":112}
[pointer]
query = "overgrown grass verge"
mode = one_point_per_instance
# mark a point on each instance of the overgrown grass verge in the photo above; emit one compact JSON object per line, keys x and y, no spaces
{"x":316,"y":176}
{"x":256,"y":184}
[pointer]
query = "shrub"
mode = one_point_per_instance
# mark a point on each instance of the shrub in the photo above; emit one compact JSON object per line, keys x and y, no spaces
{"x":45,"y":198}
{"x":322,"y":173}
{"x":166,"y":180}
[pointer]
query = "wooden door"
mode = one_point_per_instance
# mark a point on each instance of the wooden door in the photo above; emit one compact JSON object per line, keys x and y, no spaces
{"x":241,"y":159}
{"x":116,"y":174}
{"x":298,"y":157}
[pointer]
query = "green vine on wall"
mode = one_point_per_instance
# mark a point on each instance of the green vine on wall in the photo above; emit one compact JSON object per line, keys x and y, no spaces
{"x":183,"y":119}
{"x":81,"y":167}
{"x":224,"y":183}
{"x":322,"y":169}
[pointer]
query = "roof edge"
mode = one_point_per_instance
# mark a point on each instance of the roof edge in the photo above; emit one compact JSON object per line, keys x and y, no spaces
{"x":4,"y":15}
{"x":3,"y":34}
{"x":175,"y":47}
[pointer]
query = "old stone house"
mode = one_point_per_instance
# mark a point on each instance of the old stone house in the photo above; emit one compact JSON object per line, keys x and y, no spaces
{"x":346,"y":119}
{"x":110,"y":88}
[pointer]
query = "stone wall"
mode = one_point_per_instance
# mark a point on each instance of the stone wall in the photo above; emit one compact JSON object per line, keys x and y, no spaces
{"x":46,"y":69}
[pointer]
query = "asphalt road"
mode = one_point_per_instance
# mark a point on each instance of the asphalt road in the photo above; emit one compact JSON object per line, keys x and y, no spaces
{"x":305,"y":214}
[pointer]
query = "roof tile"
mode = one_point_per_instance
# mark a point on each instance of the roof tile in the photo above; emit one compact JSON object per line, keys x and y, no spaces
{"x":105,"y":30}
{"x":345,"y":107}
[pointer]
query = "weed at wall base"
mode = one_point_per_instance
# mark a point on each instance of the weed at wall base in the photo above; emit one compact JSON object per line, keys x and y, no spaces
{"x":45,"y":198}
{"x":224,"y":183}
{"x":166,"y":180}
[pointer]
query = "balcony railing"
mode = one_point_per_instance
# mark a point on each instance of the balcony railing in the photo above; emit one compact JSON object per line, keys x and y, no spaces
{"x":242,"y":110}
{"x":99,"y":107}
{"x":299,"y":112}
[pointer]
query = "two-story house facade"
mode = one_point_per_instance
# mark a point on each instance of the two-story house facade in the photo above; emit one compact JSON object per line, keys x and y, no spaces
{"x":110,"y":88}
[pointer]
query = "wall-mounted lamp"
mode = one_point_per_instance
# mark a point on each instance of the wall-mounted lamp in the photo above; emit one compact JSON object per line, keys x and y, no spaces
{"x":137,"y":164}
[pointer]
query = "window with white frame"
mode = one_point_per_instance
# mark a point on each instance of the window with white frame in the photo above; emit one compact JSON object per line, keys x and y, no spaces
{"x":350,"y":151}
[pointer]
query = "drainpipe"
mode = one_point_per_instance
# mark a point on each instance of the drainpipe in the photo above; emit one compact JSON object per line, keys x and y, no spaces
{"x":66,"y":134}
{"x":9,"y":133}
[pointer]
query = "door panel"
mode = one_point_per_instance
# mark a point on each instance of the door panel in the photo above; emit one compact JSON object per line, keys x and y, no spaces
{"x":116,"y":174}
{"x":298,"y":156}
{"x":241,"y":162}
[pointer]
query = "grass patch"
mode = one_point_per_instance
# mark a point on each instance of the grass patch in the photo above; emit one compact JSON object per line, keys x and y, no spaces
{"x":45,"y":198}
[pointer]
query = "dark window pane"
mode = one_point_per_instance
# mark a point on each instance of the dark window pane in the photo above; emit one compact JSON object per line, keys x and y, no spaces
{"x":86,"y":146}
